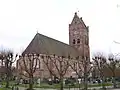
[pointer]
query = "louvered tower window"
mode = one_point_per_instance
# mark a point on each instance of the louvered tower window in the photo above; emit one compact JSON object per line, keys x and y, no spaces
{"x":73,"y":41}
{"x":78,"y":41}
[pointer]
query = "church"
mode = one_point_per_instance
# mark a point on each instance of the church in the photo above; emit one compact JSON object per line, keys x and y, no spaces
{"x":78,"y":46}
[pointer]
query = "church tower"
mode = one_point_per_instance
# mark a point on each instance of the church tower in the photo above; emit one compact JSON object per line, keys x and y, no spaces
{"x":79,"y":36}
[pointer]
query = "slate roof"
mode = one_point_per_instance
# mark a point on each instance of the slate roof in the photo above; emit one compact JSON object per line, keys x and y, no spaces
{"x":45,"y":45}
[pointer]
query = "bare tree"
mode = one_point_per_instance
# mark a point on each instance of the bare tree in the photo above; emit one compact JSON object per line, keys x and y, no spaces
{"x":2,"y":67}
{"x":112,"y":65}
{"x":81,"y":66}
{"x":49,"y":64}
{"x":100,"y":62}
{"x":28,"y":63}
{"x":76,"y":66}
{"x":60,"y":64}
{"x":86,"y":64}
{"x":1,"y":58}
{"x":7,"y":59}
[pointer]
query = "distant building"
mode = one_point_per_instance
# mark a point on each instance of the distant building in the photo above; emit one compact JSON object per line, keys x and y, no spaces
{"x":78,"y":46}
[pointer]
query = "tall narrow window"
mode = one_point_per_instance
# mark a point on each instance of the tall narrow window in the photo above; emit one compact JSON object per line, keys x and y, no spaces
{"x":73,"y":41}
{"x":83,"y":57}
{"x":86,"y":40}
{"x":78,"y":41}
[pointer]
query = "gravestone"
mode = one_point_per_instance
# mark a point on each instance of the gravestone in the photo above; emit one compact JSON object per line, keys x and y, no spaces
{"x":79,"y":80}
{"x":64,"y":81}
{"x":38,"y":81}
{"x":21,"y":81}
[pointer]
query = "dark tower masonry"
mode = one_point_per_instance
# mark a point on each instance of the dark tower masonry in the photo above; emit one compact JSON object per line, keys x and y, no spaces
{"x":79,"y":36}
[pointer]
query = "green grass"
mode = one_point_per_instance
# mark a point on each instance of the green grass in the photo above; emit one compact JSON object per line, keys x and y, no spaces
{"x":5,"y":89}
{"x":98,"y":85}
{"x":55,"y":86}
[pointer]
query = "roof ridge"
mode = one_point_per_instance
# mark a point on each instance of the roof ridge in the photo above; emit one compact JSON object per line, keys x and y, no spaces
{"x":42,"y":44}
{"x":55,"y":40}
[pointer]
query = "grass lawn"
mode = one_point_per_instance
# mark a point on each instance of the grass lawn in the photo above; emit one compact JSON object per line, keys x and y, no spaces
{"x":5,"y":89}
{"x":55,"y":86}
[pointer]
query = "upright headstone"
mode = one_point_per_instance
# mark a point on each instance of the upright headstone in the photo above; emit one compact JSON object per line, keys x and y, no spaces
{"x":21,"y":81}
{"x":79,"y":80}
{"x":64,"y":81}
{"x":38,"y":81}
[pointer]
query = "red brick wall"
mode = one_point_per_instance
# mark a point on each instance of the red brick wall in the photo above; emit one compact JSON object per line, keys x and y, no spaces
{"x":78,"y":30}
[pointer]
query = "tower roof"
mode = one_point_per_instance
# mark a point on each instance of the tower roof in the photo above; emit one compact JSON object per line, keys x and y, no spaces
{"x":45,"y":45}
{"x":80,"y":20}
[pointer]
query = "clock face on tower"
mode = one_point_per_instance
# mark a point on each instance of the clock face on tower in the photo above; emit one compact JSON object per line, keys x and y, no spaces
{"x":76,"y":32}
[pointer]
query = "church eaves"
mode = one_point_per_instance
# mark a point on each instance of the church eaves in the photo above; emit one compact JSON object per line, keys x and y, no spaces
{"x":45,"y":45}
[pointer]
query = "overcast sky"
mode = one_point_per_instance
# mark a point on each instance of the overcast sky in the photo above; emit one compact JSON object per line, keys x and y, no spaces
{"x":21,"y":19}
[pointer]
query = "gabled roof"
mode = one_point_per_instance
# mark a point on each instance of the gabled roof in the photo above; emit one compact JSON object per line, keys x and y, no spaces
{"x":45,"y":45}
{"x":76,"y":17}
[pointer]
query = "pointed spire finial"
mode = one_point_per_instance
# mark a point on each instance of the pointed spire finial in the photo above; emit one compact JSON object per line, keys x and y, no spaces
{"x":37,"y":30}
{"x":75,"y":13}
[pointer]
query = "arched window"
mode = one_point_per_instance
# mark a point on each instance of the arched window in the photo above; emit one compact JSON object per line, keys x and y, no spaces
{"x":73,"y":41}
{"x":78,"y":40}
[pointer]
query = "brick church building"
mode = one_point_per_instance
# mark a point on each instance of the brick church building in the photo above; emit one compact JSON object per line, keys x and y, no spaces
{"x":44,"y":45}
